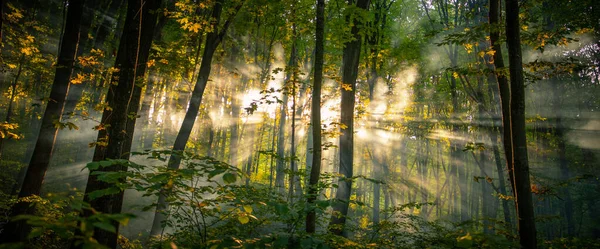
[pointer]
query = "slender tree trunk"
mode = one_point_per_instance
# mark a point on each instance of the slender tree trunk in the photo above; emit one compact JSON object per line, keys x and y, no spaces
{"x":98,"y":43}
{"x":350,"y":63}
{"x":503,"y":86}
{"x":213,"y":39}
{"x":565,"y":175}
{"x":251,"y":141}
{"x":234,"y":139}
{"x":145,"y":113}
{"x":34,"y":176}
{"x":235,"y":116}
{"x":124,"y":99}
{"x":280,"y":165}
{"x":271,"y":168}
{"x":309,"y":152}
{"x":294,"y":183}
{"x":1,"y":22}
{"x":501,"y":180}
{"x":11,"y":100}
{"x":524,"y":202}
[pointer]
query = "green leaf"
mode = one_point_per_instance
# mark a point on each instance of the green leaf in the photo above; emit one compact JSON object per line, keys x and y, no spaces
{"x":92,"y":166}
{"x":306,"y":243}
{"x":215,"y":172}
{"x":105,"y":226}
{"x":280,"y":208}
{"x":123,"y":219}
{"x":99,"y":193}
{"x":281,"y":241}
{"x":323,"y":203}
{"x":105,"y":163}
{"x":229,"y":178}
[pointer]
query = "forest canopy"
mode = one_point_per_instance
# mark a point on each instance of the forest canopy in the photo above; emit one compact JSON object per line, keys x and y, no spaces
{"x":299,"y":124}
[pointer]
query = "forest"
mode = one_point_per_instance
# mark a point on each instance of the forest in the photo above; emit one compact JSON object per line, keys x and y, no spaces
{"x":299,"y":124}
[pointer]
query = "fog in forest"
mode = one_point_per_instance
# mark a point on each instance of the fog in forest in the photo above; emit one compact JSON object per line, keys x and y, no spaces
{"x":429,"y":156}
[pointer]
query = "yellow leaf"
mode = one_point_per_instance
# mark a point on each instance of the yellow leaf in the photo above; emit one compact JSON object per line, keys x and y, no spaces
{"x":524,"y":27}
{"x":183,"y":20}
{"x":468,"y":47}
{"x":248,"y":208}
{"x":12,"y":66}
{"x":455,"y":75}
{"x":243,"y":219}
{"x":481,"y":54}
{"x":347,"y":87}
{"x":364,"y":222}
{"x":195,"y":28}
{"x":26,"y":51}
{"x":78,"y":79}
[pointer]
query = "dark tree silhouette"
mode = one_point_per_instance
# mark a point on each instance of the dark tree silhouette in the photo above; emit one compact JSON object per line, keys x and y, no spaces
{"x":315,"y":115}
{"x":350,"y":72}
{"x":123,"y":100}
{"x":34,"y":176}
{"x":520,"y":164}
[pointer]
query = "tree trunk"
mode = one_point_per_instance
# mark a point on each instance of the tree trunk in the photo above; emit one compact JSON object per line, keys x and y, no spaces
{"x":503,"y":86}
{"x":213,"y":39}
{"x":350,"y":63}
{"x":235,"y":115}
{"x":34,"y":176}
{"x":564,"y":176}
{"x":501,"y":181}
{"x":145,"y":132}
{"x":124,"y":99}
{"x":280,"y":165}
{"x":294,"y":179}
{"x":524,"y":202}
{"x":99,"y":37}
{"x":11,"y":100}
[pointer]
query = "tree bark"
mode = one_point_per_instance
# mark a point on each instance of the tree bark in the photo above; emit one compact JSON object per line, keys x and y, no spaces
{"x":123,"y":97}
{"x":34,"y":176}
{"x":350,"y":63}
{"x":503,"y":86}
{"x":280,"y":164}
{"x":501,"y":180}
{"x":315,"y":115}
{"x":522,"y":189}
